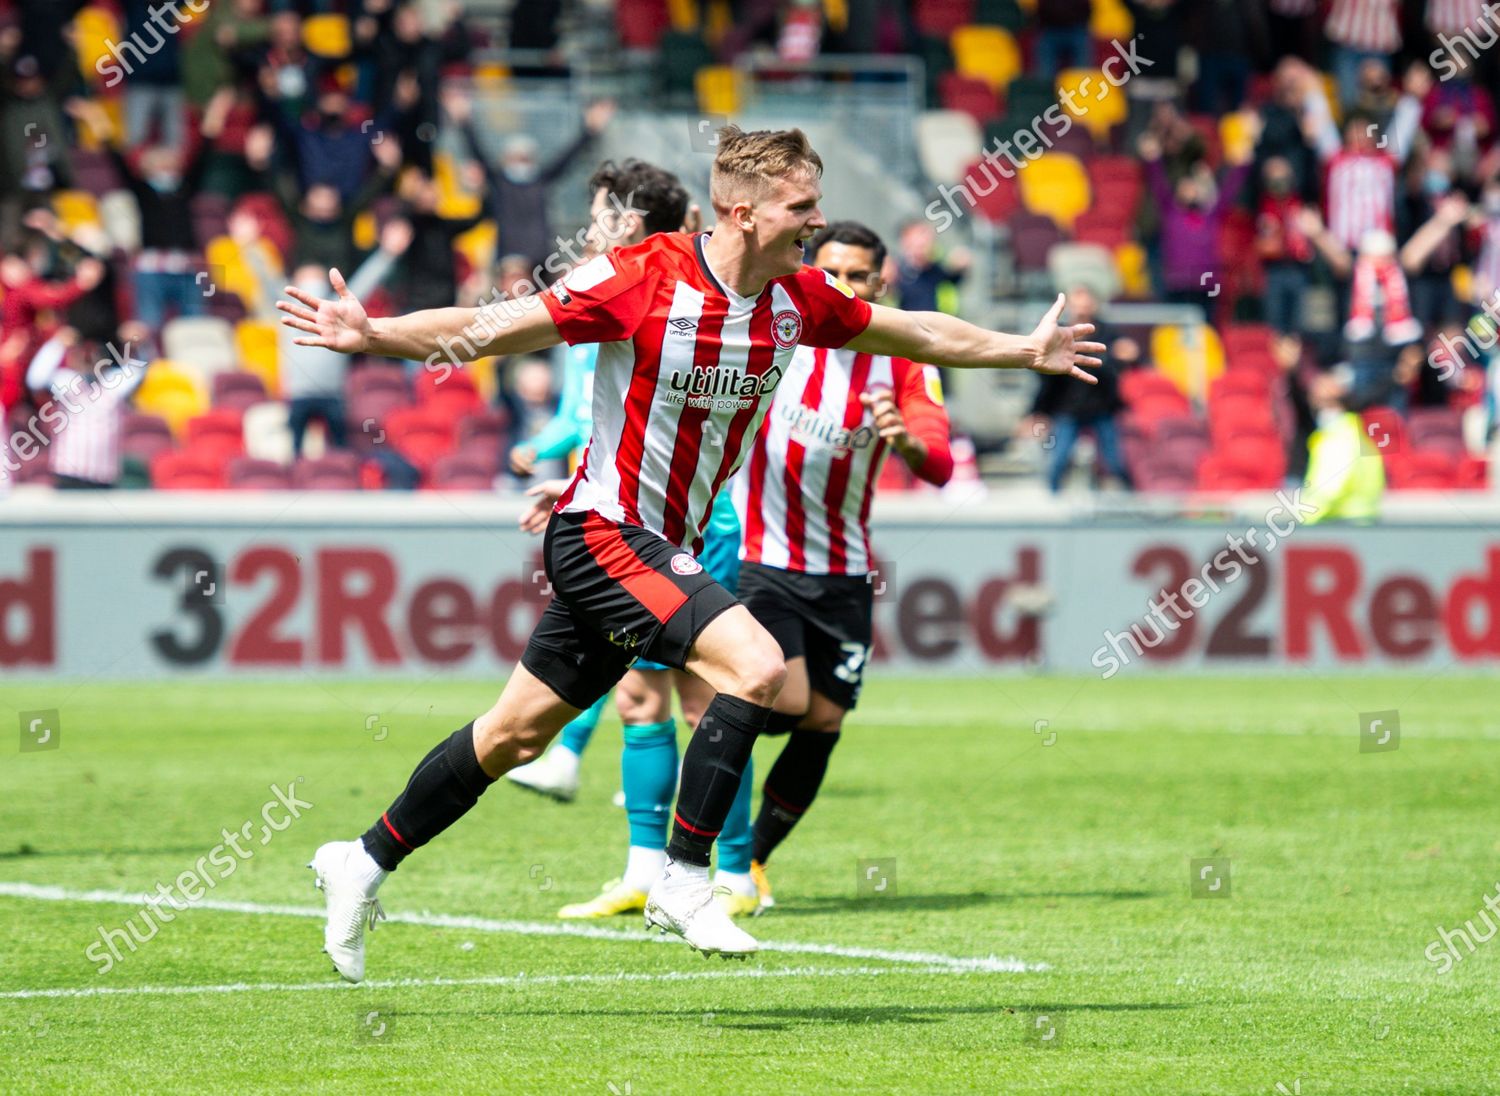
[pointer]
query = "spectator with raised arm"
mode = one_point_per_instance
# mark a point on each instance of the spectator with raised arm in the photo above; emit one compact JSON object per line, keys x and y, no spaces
{"x":312,"y":379}
{"x":84,"y":451}
{"x":519,"y":187}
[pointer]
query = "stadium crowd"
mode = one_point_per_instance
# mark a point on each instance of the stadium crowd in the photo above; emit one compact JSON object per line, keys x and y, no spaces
{"x":1320,"y":177}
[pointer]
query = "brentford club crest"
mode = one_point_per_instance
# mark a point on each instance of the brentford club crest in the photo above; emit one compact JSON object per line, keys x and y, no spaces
{"x":786,"y":329}
{"x":685,"y":564}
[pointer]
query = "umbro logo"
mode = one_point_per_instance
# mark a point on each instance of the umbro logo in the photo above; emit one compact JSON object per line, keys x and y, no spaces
{"x":682,"y":325}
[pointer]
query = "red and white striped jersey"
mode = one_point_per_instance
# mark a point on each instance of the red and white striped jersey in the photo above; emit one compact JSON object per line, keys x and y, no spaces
{"x":804,"y":495}
{"x":85,"y":444}
{"x":1373,"y":25}
{"x":1453,"y":17}
{"x":686,"y":372}
{"x":1361,"y":195}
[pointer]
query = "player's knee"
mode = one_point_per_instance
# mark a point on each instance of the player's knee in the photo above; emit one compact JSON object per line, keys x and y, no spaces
{"x":761,"y":672}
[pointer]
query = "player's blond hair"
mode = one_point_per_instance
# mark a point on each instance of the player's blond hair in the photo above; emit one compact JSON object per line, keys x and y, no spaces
{"x":748,"y":165}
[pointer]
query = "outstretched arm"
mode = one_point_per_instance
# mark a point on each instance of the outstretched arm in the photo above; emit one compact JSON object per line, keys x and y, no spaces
{"x":940,"y":339}
{"x":518,"y":326}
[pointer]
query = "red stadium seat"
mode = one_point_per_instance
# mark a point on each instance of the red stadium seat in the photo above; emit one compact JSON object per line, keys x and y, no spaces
{"x":1101,"y":226}
{"x":1000,"y":202}
{"x":250,"y":474}
{"x":446,"y":383}
{"x":1139,"y":384}
{"x":940,"y":18}
{"x":144,"y":436}
{"x":336,"y":471}
{"x":376,"y":377}
{"x":481,"y":428}
{"x":187,"y":470}
{"x":221,"y":428}
{"x":1247,"y":336}
{"x":1253,"y":384}
{"x":1385,"y":428}
{"x":969,"y":94}
{"x":461,"y":472}
{"x":235,"y":391}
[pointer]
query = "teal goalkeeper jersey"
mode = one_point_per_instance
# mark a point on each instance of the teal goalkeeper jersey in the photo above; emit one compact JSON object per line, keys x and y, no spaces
{"x":569,"y":428}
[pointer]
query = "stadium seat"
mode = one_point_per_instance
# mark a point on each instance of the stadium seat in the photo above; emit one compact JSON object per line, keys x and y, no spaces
{"x":419,"y":434}
{"x":144,"y":436}
{"x":1073,"y":264}
{"x":446,"y":385}
{"x":95,"y":28}
{"x":1183,"y":451}
{"x":1239,"y":413}
{"x":1157,"y":478}
{"x":219,"y":426}
{"x":1054,"y":185}
{"x":121,"y":218}
{"x":75,"y":208}
{"x":1156,"y":408}
{"x":461,"y":472}
{"x":237,"y":391}
{"x":1111,"y":21}
{"x":1135,"y":273}
{"x":1386,"y":429}
{"x":258,"y":349}
{"x":366,"y":415}
{"x":1000,"y":13}
{"x":681,"y":55}
{"x":640,"y":23}
{"x":481,"y":429}
{"x":266,"y":433}
{"x":1191,"y":356}
{"x":252,"y":474}
{"x":969,"y":94}
{"x":94,"y":172}
{"x":184,"y":470}
{"x":1145,"y":383}
{"x":996,"y":197}
{"x":1102,"y":227}
{"x":1097,"y":105}
{"x":174,"y":393}
{"x":947,"y":143}
{"x":986,"y":53}
{"x":1027,"y":99}
{"x":1242,"y":383}
{"x":1438,"y":428}
{"x":718,"y":90}
{"x":336,"y":471}
{"x":205,"y":341}
{"x":1032,"y":239}
{"x":1425,"y":471}
{"x":327,"y":36}
{"x":940,"y":18}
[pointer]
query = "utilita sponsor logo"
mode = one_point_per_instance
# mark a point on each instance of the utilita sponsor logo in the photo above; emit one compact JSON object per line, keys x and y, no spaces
{"x":815,"y":428}
{"x":708,"y":387}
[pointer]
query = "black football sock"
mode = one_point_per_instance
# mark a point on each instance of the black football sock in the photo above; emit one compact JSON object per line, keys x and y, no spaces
{"x":791,"y":786}
{"x":782,"y":722}
{"x":711,"y":768}
{"x":442,"y":789}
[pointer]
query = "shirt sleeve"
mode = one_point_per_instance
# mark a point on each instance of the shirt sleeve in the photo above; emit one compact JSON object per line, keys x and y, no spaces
{"x":831,"y":313}
{"x":919,"y":395}
{"x":605,"y":299}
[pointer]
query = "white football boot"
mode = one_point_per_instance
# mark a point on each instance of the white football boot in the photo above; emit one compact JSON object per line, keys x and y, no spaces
{"x":351,"y":905}
{"x":554,"y":774}
{"x":682,"y":901}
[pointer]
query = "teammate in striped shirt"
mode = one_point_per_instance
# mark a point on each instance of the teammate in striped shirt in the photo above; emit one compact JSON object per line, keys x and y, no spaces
{"x":804,"y":499}
{"x":697,"y":333}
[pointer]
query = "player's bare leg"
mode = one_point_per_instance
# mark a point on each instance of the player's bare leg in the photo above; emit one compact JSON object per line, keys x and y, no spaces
{"x":442,"y":789}
{"x":739,"y":660}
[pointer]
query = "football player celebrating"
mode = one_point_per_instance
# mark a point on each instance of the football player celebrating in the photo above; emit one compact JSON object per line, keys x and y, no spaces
{"x":804,"y":501}
{"x":696,"y":333}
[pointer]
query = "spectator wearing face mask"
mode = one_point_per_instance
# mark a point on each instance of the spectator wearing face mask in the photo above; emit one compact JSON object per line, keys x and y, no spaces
{"x":163,"y":180}
{"x":1284,"y":249}
{"x":1192,"y":214}
{"x":518,"y":189}
{"x":1438,"y":245}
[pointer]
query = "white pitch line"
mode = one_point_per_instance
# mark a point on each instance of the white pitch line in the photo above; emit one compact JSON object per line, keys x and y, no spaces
{"x":955,"y":963}
{"x":522,"y":980}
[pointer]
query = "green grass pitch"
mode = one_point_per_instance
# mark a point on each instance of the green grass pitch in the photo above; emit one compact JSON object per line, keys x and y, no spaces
{"x":1049,"y":821}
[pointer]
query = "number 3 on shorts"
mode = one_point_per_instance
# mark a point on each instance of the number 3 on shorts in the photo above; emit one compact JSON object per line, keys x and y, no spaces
{"x":849,"y":670}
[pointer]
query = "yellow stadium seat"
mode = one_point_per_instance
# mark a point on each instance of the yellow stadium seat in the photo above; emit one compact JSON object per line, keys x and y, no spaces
{"x":478,"y":244}
{"x":988,"y":53}
{"x":1028,"y":6}
{"x":453,"y":200}
{"x":1331,"y":91}
{"x":486,"y":379}
{"x":718,"y":90}
{"x":1055,"y":185}
{"x":326,"y":35}
{"x":683,"y":14}
{"x":1097,"y":104}
{"x":232,"y":272}
{"x":1190,"y":356}
{"x":95,"y":28}
{"x":74,"y":208}
{"x":1111,"y":20}
{"x":174,"y":392}
{"x":363,"y":230}
{"x":1135,"y":274}
{"x":1462,"y":281}
{"x":257,"y":344}
{"x":718,"y":21}
{"x":1236,"y":137}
